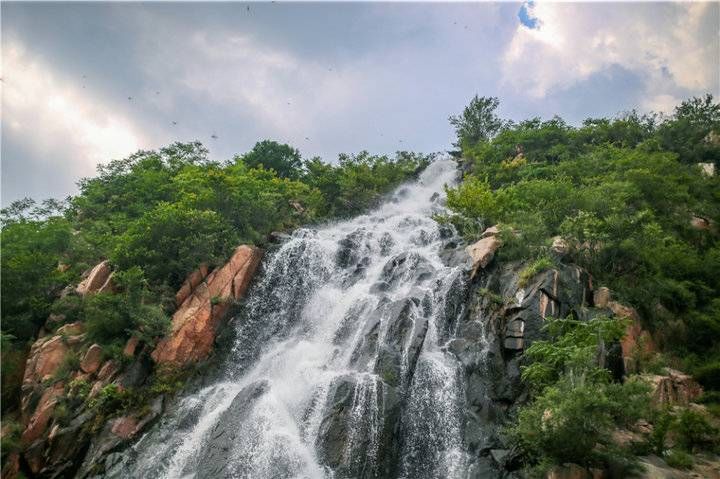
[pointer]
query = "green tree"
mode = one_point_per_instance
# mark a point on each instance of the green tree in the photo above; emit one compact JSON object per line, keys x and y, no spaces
{"x":282,"y":158}
{"x":478,"y":121}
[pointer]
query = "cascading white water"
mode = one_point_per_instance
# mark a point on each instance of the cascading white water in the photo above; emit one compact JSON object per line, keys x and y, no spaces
{"x":338,"y":367}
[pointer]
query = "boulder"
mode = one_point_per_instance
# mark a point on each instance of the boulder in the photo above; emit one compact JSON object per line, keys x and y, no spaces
{"x":107,"y":371}
{"x":97,"y":280}
{"x":195,"y":323}
{"x":92,"y":359}
{"x":46,"y":356}
{"x":483,"y":251}
{"x":131,"y":346}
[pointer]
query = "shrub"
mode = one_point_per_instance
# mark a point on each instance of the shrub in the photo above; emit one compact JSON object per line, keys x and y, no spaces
{"x":537,"y":266}
{"x":679,"y":459}
{"x":693,"y":430}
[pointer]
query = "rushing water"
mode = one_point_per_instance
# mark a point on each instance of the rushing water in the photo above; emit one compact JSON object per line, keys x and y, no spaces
{"x":338,"y":367}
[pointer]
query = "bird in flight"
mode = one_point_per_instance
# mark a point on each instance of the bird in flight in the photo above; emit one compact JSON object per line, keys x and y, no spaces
{"x":174,"y":123}
{"x":214,"y":136}
{"x":307,"y":138}
{"x":129,"y":98}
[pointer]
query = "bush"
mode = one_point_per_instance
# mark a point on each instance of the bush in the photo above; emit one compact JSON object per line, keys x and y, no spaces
{"x":679,"y":459}
{"x":537,"y":266}
{"x":694,"y":431}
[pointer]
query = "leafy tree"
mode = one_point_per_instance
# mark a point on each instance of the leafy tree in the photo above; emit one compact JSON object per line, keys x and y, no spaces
{"x":283,"y":159}
{"x":478,"y":121}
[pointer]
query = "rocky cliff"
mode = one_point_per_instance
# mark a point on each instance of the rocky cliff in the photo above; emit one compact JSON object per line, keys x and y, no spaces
{"x":72,"y":392}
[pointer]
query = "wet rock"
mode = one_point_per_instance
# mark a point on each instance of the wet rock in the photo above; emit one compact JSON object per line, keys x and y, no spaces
{"x":601,"y":297}
{"x":216,"y":458}
{"x":358,"y":434}
{"x":91,"y":361}
{"x":98,"y":280}
{"x":195,"y":323}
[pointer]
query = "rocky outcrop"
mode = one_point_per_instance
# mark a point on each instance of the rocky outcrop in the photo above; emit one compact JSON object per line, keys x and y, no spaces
{"x":98,"y":280}
{"x":195,"y":323}
{"x":673,"y":388}
{"x":483,"y":251}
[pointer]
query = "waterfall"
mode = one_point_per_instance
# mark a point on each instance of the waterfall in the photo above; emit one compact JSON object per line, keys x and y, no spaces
{"x":338,"y":368}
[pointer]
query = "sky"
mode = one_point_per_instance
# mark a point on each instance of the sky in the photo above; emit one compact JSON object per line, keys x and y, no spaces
{"x":85,"y":83}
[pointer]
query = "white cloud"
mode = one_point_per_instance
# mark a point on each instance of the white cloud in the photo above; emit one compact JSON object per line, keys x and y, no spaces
{"x":271,"y":86}
{"x":57,"y":120}
{"x":669,"y":46}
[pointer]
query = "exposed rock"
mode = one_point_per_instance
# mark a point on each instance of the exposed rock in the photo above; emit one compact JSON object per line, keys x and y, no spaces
{"x":91,"y":361}
{"x":483,"y":251}
{"x":297,"y":206}
{"x":131,"y":346}
{"x":46,"y":356}
{"x":98,"y":279}
{"x":115,"y":433}
{"x":194,"y":324}
{"x":215,"y":458}
{"x":559,"y":246}
{"x":636,"y":341}
{"x":40,"y":418}
{"x":190,"y":283}
{"x":107,"y":371}
{"x":673,"y":388}
{"x":708,"y":169}
{"x":601,"y":297}
{"x":124,"y":427}
{"x":71,"y":329}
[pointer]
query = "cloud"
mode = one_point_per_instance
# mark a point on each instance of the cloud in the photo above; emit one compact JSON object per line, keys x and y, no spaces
{"x":58,"y":121}
{"x":673,"y":47}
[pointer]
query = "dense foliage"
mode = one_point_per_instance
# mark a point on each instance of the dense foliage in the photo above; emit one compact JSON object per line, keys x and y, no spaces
{"x":633,"y":200}
{"x":156,"y":216}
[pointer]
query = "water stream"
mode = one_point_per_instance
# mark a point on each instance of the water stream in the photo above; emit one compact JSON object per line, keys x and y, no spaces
{"x":338,"y":368}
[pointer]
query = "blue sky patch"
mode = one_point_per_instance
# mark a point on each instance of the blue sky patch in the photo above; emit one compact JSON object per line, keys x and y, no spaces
{"x":526,"y":17}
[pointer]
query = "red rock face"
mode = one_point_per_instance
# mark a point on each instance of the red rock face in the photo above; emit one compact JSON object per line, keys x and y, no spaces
{"x":125,"y":427}
{"x":46,"y":356}
{"x":43,"y":413}
{"x":636,"y":340}
{"x":194,"y":324}
{"x":674,"y":388}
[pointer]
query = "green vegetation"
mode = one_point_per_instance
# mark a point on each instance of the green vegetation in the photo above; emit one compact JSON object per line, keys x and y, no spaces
{"x":623,"y":193}
{"x":157,"y":215}
{"x":576,"y":406}
{"x":636,"y":210}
